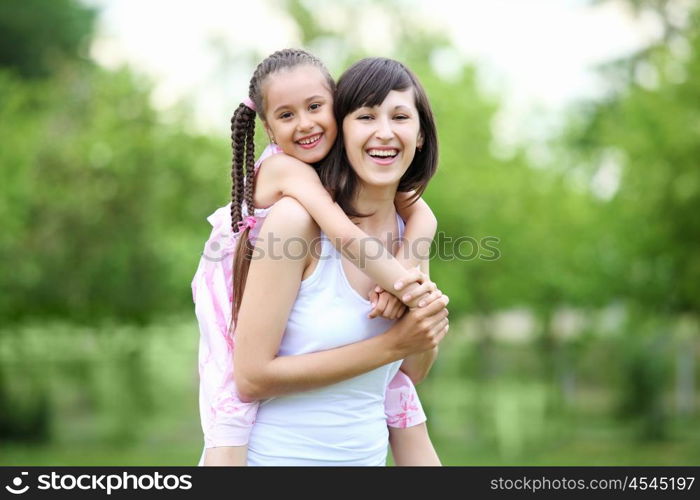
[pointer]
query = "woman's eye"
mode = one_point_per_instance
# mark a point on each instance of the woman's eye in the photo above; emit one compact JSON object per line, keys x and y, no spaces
{"x":364,"y":117}
{"x":315,"y":106}
{"x":401,"y":117}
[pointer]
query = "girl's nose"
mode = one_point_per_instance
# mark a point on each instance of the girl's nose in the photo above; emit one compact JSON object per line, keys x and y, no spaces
{"x":305,"y":122}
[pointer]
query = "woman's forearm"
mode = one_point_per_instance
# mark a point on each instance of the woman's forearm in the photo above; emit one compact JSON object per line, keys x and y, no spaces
{"x":288,"y":374}
{"x":277,"y":375}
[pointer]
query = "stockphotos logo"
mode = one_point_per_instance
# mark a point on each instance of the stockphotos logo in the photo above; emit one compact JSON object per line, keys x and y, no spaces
{"x":16,"y":487}
{"x":102,"y":482}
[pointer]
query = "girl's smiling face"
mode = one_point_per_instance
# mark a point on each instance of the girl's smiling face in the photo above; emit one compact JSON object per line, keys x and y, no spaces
{"x":381,"y":141}
{"x":299,"y":112}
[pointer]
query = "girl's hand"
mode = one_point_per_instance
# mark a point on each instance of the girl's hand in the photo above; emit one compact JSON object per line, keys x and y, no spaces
{"x":421,"y":295}
{"x":416,"y":289}
{"x":385,"y":305}
{"x":421,"y":329}
{"x":415,"y":285}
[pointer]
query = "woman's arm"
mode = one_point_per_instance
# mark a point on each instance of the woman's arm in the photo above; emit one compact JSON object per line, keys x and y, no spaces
{"x":292,"y":177}
{"x":259,"y":372}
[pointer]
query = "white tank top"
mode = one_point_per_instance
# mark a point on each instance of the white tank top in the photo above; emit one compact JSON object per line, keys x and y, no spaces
{"x":341,"y":424}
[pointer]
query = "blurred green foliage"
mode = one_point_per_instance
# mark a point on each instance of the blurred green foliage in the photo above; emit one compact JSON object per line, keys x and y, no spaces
{"x":597,"y":249}
{"x":38,"y":36}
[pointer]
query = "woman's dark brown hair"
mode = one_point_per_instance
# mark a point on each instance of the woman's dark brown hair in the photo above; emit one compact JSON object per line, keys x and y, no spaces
{"x":367,"y":83}
{"x":242,"y":169}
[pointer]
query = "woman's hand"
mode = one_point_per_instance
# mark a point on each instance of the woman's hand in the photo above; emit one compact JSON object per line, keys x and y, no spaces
{"x":421,"y":329}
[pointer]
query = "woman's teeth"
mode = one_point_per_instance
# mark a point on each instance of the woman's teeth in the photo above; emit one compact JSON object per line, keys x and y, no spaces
{"x":383,"y":153}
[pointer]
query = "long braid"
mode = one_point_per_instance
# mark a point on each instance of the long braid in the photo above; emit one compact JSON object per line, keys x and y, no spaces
{"x":240,"y":122}
{"x":236,"y":168}
{"x":243,"y":144}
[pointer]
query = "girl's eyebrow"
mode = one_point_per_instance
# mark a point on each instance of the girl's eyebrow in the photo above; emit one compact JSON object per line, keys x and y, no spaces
{"x":283,"y":106}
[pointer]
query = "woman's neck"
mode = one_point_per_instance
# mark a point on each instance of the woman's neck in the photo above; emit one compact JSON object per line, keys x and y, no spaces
{"x":379,"y":202}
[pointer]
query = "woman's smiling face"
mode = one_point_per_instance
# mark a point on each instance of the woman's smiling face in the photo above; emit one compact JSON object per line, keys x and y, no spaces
{"x":299,"y":112}
{"x":381,"y":141}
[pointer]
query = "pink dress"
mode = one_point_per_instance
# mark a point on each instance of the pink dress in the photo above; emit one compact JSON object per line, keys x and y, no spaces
{"x":226,"y":420}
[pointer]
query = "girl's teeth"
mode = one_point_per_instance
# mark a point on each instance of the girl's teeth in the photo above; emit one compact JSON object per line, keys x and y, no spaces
{"x":310,"y":140}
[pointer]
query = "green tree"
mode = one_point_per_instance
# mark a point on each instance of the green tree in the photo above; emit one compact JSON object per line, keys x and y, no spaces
{"x":647,"y":124}
{"x":37,"y":36}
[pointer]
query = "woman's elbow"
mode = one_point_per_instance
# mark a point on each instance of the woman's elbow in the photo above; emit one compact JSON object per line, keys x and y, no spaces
{"x":246,"y":392}
{"x":248,"y":385}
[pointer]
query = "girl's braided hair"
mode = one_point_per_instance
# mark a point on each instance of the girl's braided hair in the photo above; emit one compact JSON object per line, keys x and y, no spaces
{"x":243,"y":169}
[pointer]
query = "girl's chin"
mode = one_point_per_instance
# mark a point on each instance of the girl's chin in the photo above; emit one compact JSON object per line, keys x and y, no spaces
{"x":312,"y":157}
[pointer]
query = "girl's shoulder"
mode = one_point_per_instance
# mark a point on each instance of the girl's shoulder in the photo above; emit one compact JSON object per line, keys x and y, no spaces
{"x":270,"y":150}
{"x":291,"y":218}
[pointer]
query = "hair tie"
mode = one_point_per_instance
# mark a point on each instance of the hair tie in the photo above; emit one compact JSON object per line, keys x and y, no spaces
{"x":247,"y":102}
{"x":247,"y":222}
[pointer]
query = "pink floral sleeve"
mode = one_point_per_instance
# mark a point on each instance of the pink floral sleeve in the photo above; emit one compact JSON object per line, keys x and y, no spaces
{"x":401,"y":404}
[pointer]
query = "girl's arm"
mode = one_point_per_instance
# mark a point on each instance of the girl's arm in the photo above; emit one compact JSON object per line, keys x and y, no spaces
{"x":412,"y":446}
{"x":294,"y":178}
{"x":417,"y":366}
{"x":259,"y":372}
{"x":421,"y":226}
{"x":413,"y":248}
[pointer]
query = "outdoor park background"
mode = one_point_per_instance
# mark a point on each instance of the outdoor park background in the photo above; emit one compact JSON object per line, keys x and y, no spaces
{"x":578,"y":346}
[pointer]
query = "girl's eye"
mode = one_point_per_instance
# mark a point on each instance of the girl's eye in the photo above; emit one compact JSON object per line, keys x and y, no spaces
{"x":285,"y":115}
{"x":364,"y":117}
{"x":315,"y":106}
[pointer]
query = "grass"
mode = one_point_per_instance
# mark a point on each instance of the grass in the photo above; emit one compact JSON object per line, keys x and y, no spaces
{"x":97,"y":389}
{"x":600,"y":442}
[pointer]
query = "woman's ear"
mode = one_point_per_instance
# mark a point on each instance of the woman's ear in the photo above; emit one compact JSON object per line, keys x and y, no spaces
{"x":420,"y":140}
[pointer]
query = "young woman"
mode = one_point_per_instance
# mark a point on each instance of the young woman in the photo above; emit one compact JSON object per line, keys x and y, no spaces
{"x":307,"y":350}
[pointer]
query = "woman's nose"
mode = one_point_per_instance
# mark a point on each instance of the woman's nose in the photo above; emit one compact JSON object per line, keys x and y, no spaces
{"x":384,"y":131}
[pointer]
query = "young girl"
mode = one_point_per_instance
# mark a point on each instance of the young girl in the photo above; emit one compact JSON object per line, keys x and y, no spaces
{"x":294,"y":95}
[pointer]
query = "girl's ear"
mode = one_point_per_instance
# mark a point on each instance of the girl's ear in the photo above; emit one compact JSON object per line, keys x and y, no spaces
{"x":270,"y":135}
